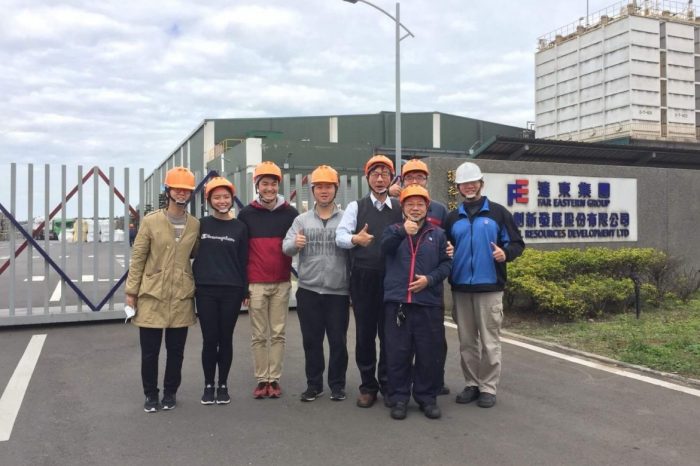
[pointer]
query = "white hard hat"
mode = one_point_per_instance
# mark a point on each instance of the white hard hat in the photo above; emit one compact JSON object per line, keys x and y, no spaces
{"x":467,"y":172}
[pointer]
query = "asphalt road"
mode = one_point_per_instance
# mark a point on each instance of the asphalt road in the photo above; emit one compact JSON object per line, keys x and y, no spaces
{"x":83,"y":406}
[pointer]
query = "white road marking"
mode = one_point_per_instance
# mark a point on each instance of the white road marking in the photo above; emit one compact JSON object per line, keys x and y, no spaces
{"x":36,"y":278}
{"x":599,"y":366}
{"x":13,"y":395}
{"x":56,"y":295}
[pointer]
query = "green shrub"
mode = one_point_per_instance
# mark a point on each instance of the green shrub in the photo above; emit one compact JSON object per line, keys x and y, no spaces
{"x":577,"y":283}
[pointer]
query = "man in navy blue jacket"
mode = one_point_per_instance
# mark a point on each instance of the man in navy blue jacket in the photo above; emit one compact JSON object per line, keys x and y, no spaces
{"x":416,"y":265}
{"x":485,"y":238}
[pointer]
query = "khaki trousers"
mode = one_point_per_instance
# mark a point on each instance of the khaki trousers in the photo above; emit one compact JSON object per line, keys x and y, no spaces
{"x":268,"y":308}
{"x":478,"y":317}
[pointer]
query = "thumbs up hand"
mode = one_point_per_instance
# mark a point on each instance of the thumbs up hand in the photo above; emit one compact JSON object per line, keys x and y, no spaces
{"x":450,"y":250}
{"x":362,"y":237}
{"x":499,"y":254}
{"x":300,"y":239}
{"x":410,"y":226}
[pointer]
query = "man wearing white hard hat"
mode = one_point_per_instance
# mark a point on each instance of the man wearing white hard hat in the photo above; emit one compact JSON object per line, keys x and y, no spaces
{"x":485,"y":237}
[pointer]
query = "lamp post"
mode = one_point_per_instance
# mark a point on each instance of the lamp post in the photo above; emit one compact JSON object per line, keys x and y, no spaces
{"x":399,"y":38}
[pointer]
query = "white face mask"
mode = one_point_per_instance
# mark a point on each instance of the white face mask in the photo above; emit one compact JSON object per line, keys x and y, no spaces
{"x":180,"y":203}
{"x":130,"y":312}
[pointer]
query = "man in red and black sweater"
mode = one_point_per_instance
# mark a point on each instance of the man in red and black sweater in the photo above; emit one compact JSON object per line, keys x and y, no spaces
{"x":268,"y":218}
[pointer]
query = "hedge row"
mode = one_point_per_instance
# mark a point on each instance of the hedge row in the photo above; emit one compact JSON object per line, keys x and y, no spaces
{"x":576,"y":283}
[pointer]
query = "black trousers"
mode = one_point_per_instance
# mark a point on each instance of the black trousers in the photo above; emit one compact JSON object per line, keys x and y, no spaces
{"x":218,"y":308}
{"x":420,"y":335}
{"x":320,"y":315}
{"x":151,"y":339}
{"x":367,"y":293}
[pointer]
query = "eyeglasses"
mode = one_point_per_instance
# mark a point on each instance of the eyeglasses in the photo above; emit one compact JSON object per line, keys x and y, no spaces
{"x":377,"y":174}
{"x":415,"y":178}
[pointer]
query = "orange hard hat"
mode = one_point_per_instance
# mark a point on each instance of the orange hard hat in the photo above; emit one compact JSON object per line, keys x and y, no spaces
{"x":324,"y":174}
{"x":218,"y":182}
{"x":267,"y":168}
{"x":414,"y":190}
{"x":379,"y":160}
{"x":414,"y":165}
{"x":179,"y":178}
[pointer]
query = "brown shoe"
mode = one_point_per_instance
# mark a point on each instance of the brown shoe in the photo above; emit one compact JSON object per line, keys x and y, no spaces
{"x":366,"y":400}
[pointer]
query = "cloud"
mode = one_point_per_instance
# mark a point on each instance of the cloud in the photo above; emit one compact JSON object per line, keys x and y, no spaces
{"x":127,"y":81}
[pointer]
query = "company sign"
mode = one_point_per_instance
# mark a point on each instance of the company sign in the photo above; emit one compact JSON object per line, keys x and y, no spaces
{"x":567,"y":209}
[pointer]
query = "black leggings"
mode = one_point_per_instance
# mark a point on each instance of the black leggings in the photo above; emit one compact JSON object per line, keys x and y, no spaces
{"x":218,"y":308}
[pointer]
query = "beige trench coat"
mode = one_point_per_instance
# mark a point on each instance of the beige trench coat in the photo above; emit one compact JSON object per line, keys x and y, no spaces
{"x":160,"y":273}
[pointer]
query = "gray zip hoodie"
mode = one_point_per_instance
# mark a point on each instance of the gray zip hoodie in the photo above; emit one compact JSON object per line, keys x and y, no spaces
{"x":323,"y":267}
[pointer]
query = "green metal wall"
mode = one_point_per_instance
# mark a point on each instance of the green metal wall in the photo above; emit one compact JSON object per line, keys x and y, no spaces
{"x":308,"y":138}
{"x":460,"y":133}
{"x":368,"y":130}
{"x":197,"y":149}
{"x":293,"y":128}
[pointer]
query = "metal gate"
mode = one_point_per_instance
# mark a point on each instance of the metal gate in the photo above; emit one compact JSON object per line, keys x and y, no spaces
{"x":65,"y":262}
{"x":83,"y":253}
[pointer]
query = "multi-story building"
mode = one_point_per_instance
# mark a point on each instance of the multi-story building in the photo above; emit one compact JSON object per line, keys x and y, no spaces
{"x":628,"y":72}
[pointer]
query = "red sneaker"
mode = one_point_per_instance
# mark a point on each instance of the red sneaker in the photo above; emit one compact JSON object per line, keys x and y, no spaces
{"x":261,"y":390}
{"x":274,"y":390}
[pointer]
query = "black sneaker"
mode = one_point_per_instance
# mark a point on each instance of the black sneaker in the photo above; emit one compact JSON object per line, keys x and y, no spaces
{"x":311,"y":394}
{"x":338,"y":394}
{"x":468,"y":395}
{"x":444,"y":390}
{"x":486,"y":400}
{"x":151,"y":405}
{"x":208,"y":396}
{"x":399,"y":411}
{"x":222,"y":397}
{"x":431,"y":411}
{"x":168,"y":401}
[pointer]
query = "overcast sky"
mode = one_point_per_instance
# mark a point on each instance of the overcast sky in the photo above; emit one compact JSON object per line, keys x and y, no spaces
{"x":122,"y":83}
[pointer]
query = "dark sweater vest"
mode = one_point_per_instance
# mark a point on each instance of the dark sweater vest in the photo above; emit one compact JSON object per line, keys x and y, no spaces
{"x":371,"y":257}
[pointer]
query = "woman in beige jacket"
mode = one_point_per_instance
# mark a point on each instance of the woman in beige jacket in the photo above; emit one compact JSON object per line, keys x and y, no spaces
{"x":160,"y":287}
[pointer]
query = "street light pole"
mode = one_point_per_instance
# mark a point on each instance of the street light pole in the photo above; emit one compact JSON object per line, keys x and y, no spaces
{"x":397,"y":117}
{"x":399,"y":38}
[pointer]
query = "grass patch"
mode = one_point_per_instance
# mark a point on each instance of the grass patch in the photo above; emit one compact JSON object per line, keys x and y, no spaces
{"x":666,"y":338}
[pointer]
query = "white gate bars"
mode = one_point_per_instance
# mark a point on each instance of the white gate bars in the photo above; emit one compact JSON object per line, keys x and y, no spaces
{"x":78,"y":281}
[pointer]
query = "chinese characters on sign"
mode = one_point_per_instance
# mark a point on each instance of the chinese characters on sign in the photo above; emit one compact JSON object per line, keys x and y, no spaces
{"x":567,"y":209}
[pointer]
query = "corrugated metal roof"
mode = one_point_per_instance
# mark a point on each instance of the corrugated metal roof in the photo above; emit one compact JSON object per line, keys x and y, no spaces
{"x":546,"y":150}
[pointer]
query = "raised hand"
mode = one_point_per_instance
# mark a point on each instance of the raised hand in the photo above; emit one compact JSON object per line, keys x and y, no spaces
{"x":395,"y":190}
{"x":499,"y":254}
{"x":300,"y":239}
{"x":410,"y":226}
{"x":363,"y":237}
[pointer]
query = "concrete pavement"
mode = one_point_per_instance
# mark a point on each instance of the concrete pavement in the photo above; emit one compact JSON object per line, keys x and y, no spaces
{"x":84,"y":407}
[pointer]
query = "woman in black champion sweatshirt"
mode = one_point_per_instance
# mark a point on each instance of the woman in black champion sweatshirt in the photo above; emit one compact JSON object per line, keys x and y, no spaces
{"x":221,"y":285}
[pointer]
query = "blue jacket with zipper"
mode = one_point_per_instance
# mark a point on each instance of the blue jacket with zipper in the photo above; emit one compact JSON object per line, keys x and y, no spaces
{"x":474,"y":270}
{"x":407,"y":256}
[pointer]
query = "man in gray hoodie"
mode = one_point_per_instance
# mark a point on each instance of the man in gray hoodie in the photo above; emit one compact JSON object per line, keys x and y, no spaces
{"x":323,"y":304}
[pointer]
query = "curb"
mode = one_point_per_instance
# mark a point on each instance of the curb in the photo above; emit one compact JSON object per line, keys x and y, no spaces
{"x":690,"y":382}
{"x":612,"y":362}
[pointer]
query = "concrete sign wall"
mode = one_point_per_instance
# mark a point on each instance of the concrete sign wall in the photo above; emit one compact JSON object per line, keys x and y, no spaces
{"x":667,"y":213}
{"x":567,"y":209}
